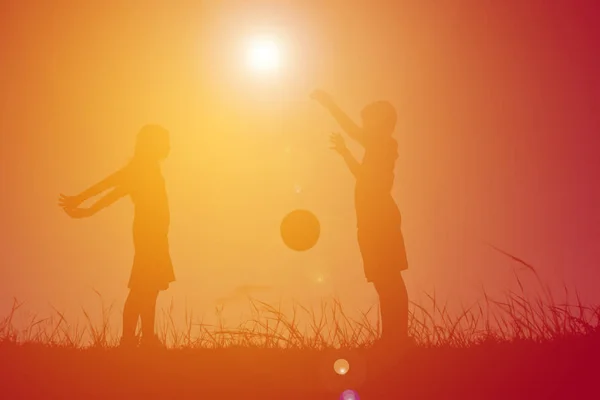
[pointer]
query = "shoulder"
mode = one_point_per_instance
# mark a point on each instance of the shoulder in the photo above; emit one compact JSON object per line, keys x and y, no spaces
{"x":131,"y":174}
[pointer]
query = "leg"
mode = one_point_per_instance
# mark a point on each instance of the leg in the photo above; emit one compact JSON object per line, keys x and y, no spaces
{"x":393,"y":304}
{"x":131,"y":314}
{"x":148,"y":313}
{"x":402,"y":309}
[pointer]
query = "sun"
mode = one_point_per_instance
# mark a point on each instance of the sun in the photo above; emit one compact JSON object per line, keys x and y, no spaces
{"x":264,"y":54}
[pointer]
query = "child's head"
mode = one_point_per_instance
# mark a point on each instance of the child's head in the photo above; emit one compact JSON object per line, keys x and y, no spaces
{"x":379,"y":118}
{"x":152,"y":143}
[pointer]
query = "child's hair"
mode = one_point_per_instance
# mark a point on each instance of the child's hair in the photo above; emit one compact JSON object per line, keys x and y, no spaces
{"x":151,"y":142}
{"x":381,"y":114}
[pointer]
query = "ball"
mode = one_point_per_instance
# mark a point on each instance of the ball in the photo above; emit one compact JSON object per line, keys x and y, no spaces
{"x":300,"y":230}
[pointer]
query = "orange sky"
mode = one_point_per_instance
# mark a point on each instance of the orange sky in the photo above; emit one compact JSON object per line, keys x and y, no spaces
{"x":498,"y":137}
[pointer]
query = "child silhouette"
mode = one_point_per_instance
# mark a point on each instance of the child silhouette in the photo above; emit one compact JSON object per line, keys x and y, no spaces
{"x":378,"y":218}
{"x":152,"y":269}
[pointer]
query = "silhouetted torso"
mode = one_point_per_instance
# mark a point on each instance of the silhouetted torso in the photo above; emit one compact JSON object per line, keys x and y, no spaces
{"x":375,"y":206}
{"x":149,"y":197}
{"x":152,"y":267}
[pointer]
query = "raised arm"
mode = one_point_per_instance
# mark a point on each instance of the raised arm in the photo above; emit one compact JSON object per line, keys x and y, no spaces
{"x":351,"y":162}
{"x":340,"y":146}
{"x":353,"y":130}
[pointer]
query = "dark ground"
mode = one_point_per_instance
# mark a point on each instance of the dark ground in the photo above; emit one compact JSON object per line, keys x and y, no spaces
{"x":561,"y":369}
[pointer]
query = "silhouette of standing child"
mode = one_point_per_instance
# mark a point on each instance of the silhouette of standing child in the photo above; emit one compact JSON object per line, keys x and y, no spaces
{"x":152,"y":269}
{"x":378,"y":217}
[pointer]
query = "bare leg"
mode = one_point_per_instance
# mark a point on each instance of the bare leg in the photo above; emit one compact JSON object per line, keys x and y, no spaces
{"x":131,"y":314}
{"x":148,"y":314}
{"x":393,"y":303}
{"x":402,"y":309}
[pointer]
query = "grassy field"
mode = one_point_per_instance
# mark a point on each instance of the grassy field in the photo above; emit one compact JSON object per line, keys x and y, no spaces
{"x":514,"y":348}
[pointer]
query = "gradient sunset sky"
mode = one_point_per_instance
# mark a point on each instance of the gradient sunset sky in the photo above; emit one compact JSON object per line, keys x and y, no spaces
{"x":498,"y":132}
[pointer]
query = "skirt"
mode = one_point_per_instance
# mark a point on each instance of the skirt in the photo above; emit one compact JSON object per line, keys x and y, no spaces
{"x":383,"y":253}
{"x":152,"y":267}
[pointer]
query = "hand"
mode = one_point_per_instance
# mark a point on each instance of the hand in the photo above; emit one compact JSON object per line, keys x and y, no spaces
{"x":78,"y":212}
{"x":322,"y":97}
{"x":69,"y":201}
{"x":339,"y":144}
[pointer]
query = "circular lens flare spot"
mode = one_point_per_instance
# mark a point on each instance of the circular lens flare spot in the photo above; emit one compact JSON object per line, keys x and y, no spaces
{"x":349,"y":395}
{"x":341,"y":366}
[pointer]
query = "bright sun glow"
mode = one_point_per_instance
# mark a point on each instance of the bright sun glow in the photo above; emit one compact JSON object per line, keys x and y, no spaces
{"x":264,"y":54}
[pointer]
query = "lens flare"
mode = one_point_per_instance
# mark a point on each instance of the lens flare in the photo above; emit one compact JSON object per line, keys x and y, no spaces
{"x":341,"y":366}
{"x":349,"y":395}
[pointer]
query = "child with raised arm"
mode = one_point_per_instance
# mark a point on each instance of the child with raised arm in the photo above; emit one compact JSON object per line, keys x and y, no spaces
{"x":152,"y":269}
{"x":378,"y":218}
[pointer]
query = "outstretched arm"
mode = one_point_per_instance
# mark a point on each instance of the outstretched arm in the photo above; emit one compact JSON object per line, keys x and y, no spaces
{"x":353,"y":130}
{"x":113,"y":180}
{"x":109,"y":199}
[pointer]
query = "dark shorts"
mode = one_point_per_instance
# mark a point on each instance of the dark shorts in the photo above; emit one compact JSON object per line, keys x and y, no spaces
{"x":383,"y":253}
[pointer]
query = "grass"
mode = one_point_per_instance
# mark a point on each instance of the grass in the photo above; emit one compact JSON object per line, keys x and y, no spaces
{"x":496,"y":347}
